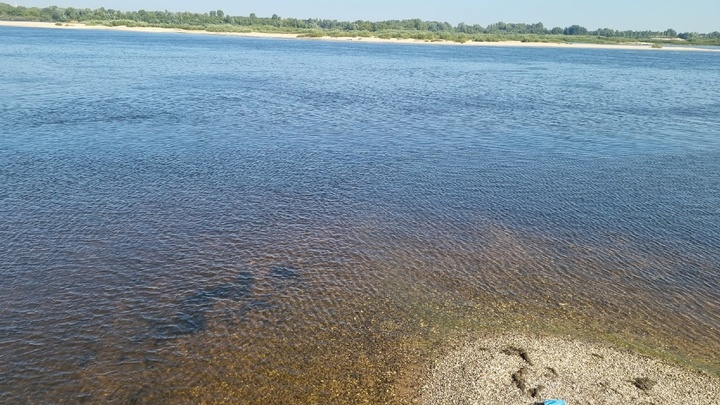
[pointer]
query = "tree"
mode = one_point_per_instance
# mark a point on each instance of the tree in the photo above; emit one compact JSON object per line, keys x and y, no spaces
{"x":537,"y":28}
{"x":686,"y":35}
{"x":56,"y":13}
{"x":575,"y":30}
{"x":605,"y":32}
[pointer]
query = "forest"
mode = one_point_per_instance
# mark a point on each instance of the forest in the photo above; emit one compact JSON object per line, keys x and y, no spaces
{"x":218,"y":21}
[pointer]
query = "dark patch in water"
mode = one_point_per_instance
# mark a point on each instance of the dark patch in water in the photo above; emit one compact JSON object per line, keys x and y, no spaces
{"x":192,"y":319}
{"x":285,"y":273}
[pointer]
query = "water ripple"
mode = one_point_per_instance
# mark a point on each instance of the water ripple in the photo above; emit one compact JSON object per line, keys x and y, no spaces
{"x":199,"y":218}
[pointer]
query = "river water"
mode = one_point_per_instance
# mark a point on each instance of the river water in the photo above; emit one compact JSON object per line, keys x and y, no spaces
{"x":189,"y":218}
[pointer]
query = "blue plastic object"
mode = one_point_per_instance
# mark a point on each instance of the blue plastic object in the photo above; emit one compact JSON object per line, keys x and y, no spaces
{"x":554,"y":402}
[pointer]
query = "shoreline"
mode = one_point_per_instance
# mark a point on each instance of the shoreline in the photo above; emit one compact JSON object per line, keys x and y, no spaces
{"x":517,"y":368}
{"x":630,"y":46}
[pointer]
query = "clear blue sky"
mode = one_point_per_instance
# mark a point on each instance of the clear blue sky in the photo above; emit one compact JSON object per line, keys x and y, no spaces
{"x":687,"y":15}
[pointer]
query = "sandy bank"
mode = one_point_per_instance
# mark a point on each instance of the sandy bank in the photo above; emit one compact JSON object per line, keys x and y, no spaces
{"x":519,"y":369}
{"x":636,"y":46}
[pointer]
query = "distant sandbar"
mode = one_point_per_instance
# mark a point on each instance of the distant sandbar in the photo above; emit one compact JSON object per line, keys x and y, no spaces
{"x":633,"y":46}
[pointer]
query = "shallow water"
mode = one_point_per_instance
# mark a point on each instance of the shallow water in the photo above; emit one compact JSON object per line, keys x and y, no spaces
{"x":206,"y":218}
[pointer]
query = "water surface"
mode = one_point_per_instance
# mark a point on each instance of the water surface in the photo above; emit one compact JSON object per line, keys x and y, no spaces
{"x":188,"y":218}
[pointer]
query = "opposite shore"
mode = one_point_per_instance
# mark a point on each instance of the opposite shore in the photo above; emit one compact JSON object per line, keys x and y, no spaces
{"x":641,"y":46}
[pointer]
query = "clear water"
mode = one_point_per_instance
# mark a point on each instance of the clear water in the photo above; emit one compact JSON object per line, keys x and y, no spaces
{"x":189,"y":218}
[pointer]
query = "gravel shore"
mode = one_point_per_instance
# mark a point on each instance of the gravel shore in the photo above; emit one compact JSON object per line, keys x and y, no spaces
{"x":521,"y":369}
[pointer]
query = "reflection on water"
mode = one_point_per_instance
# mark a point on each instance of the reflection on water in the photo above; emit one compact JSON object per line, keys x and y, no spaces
{"x":207,"y":219}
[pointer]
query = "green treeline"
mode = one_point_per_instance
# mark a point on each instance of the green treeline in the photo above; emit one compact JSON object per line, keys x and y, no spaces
{"x":218,"y":21}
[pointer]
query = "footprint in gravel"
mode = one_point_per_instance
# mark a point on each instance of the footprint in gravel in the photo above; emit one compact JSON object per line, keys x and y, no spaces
{"x":512,"y":350}
{"x":644,"y":383}
{"x":550,"y":372}
{"x":520,"y":378}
